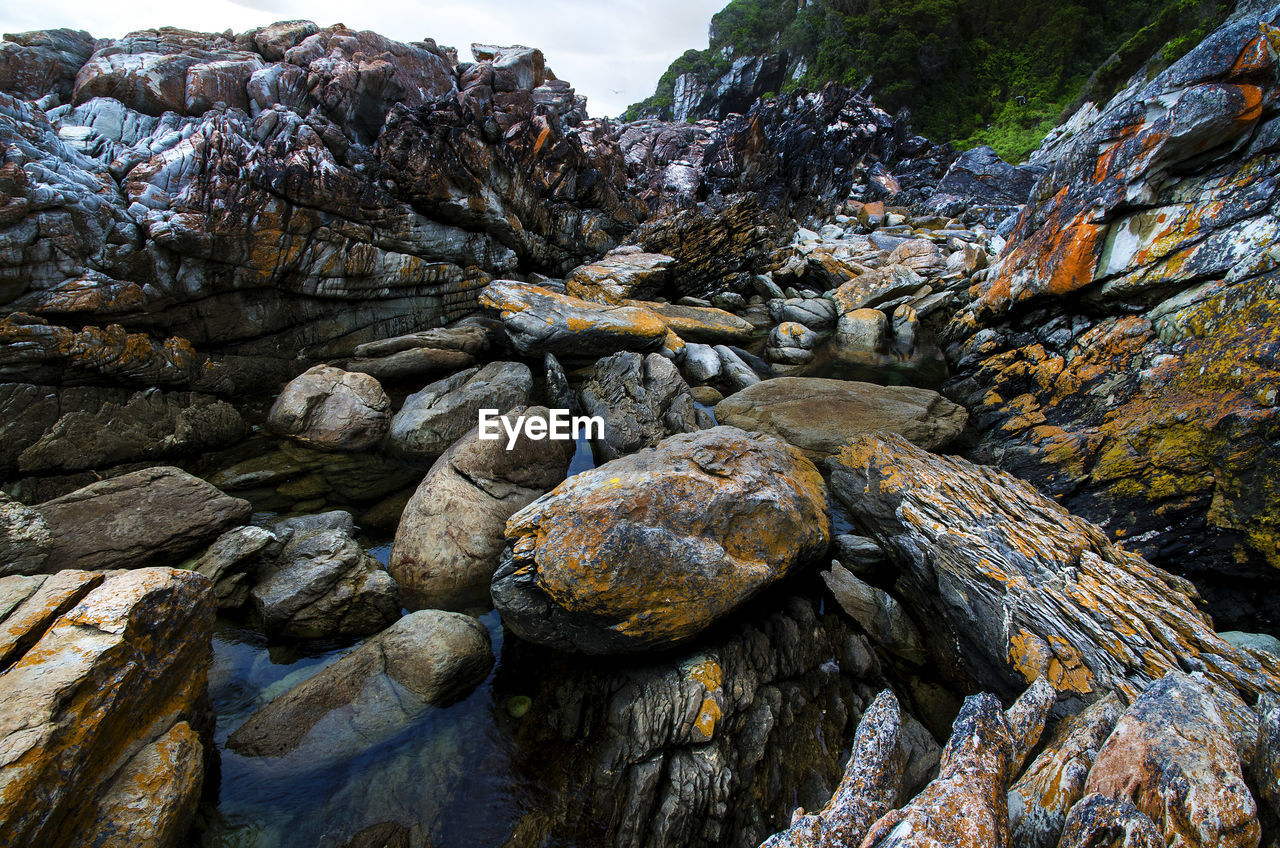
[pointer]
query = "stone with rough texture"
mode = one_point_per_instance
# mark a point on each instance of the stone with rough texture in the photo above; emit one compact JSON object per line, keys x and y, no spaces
{"x":330,"y":408}
{"x":233,"y":561}
{"x":540,"y":321}
{"x":433,"y":419}
{"x":25,"y":539}
{"x":642,"y":399}
{"x":653,"y":548}
{"x":1101,"y":822}
{"x":450,"y":537}
{"x":620,"y":275}
{"x":821,"y":416}
{"x":152,"y":516}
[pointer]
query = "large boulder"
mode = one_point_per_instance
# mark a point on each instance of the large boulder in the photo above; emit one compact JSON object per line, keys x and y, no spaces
{"x":821,"y":416}
{"x":156,"y":515}
{"x":433,"y":419}
{"x":106,"y":715}
{"x":433,"y":657}
{"x":540,"y":321}
{"x":621,"y":274}
{"x":450,"y":537}
{"x":642,"y":400}
{"x":330,"y":408}
{"x":653,"y":548}
{"x":37,"y":64}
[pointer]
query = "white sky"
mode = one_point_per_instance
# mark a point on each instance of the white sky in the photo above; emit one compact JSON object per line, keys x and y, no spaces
{"x":612,"y":51}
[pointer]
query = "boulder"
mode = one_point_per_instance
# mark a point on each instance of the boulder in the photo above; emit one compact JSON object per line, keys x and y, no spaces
{"x":622,"y":274}
{"x":151,"y":516}
{"x":426,"y":659}
{"x":450,"y":537}
{"x":821,"y":416}
{"x":979,"y":177}
{"x":233,"y":561}
{"x":701,"y":324}
{"x":642,"y":399}
{"x":463,"y":337}
{"x":25,"y":540}
{"x":1101,"y":822}
{"x":878,"y":287}
{"x":106,"y":712}
{"x":323,"y":584}
{"x":863,"y":332}
{"x":332,"y":409}
{"x":652,"y":548}
{"x":37,"y":64}
{"x":412,"y":364}
{"x":539,"y":321}
{"x":877,"y":612}
{"x":433,"y":419}
{"x":816,"y":313}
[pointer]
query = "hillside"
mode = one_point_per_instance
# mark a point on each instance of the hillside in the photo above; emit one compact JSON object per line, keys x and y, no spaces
{"x":972,"y":71}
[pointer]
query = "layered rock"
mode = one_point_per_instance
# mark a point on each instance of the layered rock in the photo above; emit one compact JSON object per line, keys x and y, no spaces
{"x":642,"y":400}
{"x":652,"y":548}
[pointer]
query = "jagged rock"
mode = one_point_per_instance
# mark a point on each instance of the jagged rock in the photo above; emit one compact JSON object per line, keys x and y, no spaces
{"x":106,"y":714}
{"x":151,"y":516}
{"x":642,"y":400}
{"x":870,"y":787}
{"x":36,"y":64}
{"x":1099,"y":822}
{"x":433,"y":419}
{"x":1150,"y":409}
{"x":1050,"y":787}
{"x":1015,"y":587}
{"x":1172,"y":755}
{"x":233,"y":561}
{"x":879,"y":615}
{"x":539,"y":321}
{"x":613,"y":559}
{"x":324,"y":585}
{"x":560,"y":395}
{"x":330,"y":408}
{"x":622,"y":274}
{"x":431,"y":656}
{"x":820,"y":416}
{"x":25,"y":540}
{"x":450,"y":537}
{"x":979,"y":177}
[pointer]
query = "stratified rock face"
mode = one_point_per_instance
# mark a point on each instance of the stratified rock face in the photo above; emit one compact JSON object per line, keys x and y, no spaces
{"x":450,"y":537}
{"x":651,"y":549}
{"x":104,"y":710}
{"x":1023,"y":587}
{"x":1175,"y":757}
{"x":820,"y":416}
{"x":1122,"y":354}
{"x":642,"y":400}
{"x":433,"y":419}
{"x":330,"y":408}
{"x":540,"y":321}
{"x":432,"y":655}
{"x":152,"y":516}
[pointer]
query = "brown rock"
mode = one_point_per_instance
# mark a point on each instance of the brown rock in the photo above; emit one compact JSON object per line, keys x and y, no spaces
{"x":1099,"y":822}
{"x":622,"y":274}
{"x":332,"y":409}
{"x":24,"y":624}
{"x":699,"y":323}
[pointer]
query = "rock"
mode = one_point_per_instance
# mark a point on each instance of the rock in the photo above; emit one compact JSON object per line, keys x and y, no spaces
{"x":233,"y":561}
{"x":734,"y":371}
{"x":701,"y":324}
{"x":146,"y":517}
{"x":622,"y":274}
{"x":979,"y":177}
{"x":878,"y":287}
{"x":560,"y":395}
{"x":1099,"y":822}
{"x":106,"y":714}
{"x":642,"y":400}
{"x":450,"y":537}
{"x":861,"y":555}
{"x":1050,"y":787}
{"x":705,"y":396}
{"x":1020,"y":596}
{"x":862,"y":331}
{"x":36,"y":64}
{"x":869,"y":789}
{"x":1173,"y":757}
{"x":433,"y":419}
{"x":463,"y":338}
{"x":611,"y":559}
{"x":877,"y":613}
{"x":920,"y":255}
{"x":323,"y":585}
{"x":816,"y":313}
{"x":820,"y":416}
{"x":332,"y":409}
{"x":701,"y":363}
{"x":1253,"y":641}
{"x":539,"y":321}
{"x":432,"y":657}
{"x":25,"y":540}
{"x":413,"y":364}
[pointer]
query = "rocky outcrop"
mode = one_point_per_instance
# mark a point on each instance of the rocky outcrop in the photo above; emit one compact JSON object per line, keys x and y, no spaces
{"x":621,"y":274}
{"x":980,"y":178}
{"x":43,"y":64}
{"x":330,"y":408}
{"x":433,"y":419}
{"x":1119,"y":355}
{"x":1024,"y":588}
{"x":651,"y":549}
{"x":642,"y":400}
{"x":153,"y":516}
{"x":820,"y":416}
{"x":450,"y":537}
{"x":106,"y":711}
{"x":432,"y":656}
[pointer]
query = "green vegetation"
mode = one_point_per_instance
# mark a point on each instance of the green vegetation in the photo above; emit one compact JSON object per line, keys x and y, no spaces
{"x":997,"y":72}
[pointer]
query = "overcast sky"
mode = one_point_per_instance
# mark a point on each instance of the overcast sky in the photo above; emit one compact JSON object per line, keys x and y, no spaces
{"x":613,"y":51}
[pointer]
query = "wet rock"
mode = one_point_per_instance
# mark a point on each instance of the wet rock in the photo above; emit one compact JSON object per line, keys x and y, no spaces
{"x":820,"y":416}
{"x":332,"y":409}
{"x":539,"y":321}
{"x":622,"y":274}
{"x":869,"y":789}
{"x":1101,"y":822}
{"x":1016,"y":585}
{"x":1173,"y":757}
{"x":979,"y":177}
{"x":151,"y":516}
{"x":324,"y":585}
{"x":878,"y":614}
{"x":612,"y":559}
{"x":450,"y":537}
{"x":233,"y":561}
{"x":701,"y":324}
{"x":433,"y":419}
{"x":104,"y":714}
{"x":25,"y":540}
{"x":428,"y":658}
{"x":642,"y":399}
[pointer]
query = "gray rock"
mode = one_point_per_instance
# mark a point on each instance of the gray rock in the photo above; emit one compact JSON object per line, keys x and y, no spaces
{"x":701,"y":363}
{"x":332,"y":409}
{"x":436,"y":417}
{"x":1264,"y":642}
{"x":816,"y":313}
{"x":735,"y":372}
{"x":877,"y":612}
{"x":412,"y":364}
{"x":466,"y":338}
{"x":642,"y":399}
{"x":25,"y":540}
{"x":560,"y":395}
{"x":232,"y":562}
